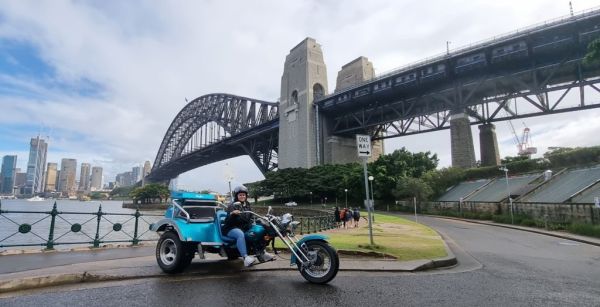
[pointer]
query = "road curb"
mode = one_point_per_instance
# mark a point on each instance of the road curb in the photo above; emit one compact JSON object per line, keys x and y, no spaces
{"x":447,"y":261}
{"x":28,"y":283}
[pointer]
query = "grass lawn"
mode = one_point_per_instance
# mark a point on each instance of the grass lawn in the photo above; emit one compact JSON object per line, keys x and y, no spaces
{"x":396,"y":236}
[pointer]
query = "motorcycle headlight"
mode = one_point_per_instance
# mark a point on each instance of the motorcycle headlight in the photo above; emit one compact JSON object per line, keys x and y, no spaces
{"x":286,"y":218}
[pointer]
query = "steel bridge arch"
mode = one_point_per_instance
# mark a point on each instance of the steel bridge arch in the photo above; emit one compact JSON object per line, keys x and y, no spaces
{"x":235,"y":114}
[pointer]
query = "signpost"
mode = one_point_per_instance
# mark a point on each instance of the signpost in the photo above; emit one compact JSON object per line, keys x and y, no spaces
{"x":363,"y":147}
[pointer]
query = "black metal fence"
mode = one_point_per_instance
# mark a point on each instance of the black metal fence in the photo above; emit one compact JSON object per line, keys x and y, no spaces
{"x":316,"y":224}
{"x":52,"y":228}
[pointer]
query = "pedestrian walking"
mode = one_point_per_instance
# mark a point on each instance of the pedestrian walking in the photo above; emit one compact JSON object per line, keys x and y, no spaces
{"x":336,"y":217}
{"x":348,"y":217}
{"x":356,"y":216}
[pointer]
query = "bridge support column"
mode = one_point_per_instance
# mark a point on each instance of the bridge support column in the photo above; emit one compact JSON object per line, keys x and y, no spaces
{"x":488,"y":145}
{"x":304,"y":79}
{"x":463,"y":152}
{"x":340,"y":149}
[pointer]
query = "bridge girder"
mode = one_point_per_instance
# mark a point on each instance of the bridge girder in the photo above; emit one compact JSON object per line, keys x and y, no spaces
{"x":486,"y":99}
{"x":216,"y":127}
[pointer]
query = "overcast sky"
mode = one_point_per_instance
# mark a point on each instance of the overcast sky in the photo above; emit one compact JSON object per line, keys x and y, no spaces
{"x":104,"y":79}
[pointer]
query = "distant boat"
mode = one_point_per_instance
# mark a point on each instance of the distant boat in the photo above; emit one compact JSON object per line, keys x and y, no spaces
{"x":36,"y":198}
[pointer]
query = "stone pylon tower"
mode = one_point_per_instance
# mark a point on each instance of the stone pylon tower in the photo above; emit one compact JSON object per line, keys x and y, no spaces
{"x":304,"y":78}
{"x":338,"y":149}
{"x":461,"y":139}
{"x":488,"y":145}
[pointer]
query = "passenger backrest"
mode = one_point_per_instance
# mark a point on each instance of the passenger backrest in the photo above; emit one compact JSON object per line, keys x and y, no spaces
{"x":198,"y":214}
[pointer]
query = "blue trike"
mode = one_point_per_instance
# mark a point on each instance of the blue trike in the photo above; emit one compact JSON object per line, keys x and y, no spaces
{"x":192,"y":225}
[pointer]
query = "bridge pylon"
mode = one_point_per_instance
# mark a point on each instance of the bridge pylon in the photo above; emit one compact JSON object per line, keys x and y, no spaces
{"x":304,"y":79}
{"x":461,"y":140}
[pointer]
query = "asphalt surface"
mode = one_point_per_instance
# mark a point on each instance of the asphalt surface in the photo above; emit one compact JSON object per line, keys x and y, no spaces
{"x":32,"y":261}
{"x":497,"y":267}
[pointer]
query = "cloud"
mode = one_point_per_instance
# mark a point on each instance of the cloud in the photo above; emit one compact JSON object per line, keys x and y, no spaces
{"x":118,"y":72}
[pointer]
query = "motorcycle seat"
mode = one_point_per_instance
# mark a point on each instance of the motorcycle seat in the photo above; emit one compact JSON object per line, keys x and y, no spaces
{"x":221,"y":215}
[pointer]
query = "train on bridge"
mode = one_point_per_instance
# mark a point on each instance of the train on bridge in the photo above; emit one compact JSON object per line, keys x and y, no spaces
{"x":543,"y":45}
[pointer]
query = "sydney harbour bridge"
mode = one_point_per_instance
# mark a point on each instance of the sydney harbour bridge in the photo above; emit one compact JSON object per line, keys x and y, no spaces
{"x":532,"y":72}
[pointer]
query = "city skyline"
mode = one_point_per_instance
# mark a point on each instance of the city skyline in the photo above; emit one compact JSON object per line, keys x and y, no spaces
{"x":98,"y":83}
{"x":91,"y":177}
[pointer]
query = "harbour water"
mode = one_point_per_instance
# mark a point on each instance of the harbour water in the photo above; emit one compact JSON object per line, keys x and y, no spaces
{"x":116,"y":223}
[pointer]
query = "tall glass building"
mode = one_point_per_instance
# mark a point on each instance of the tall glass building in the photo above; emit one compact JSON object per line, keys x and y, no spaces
{"x":36,"y":167}
{"x":66,"y":177}
{"x":96,"y":184}
{"x":51,"y":177}
{"x":8,"y":174}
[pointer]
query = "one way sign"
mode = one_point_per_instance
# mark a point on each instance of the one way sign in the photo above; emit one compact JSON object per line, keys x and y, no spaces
{"x":363,"y":145}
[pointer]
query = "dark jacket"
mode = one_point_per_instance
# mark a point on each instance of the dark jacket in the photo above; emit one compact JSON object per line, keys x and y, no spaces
{"x":336,"y":214}
{"x":241,"y":221}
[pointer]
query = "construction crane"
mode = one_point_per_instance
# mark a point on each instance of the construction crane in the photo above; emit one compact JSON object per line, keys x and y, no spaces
{"x":523,"y":143}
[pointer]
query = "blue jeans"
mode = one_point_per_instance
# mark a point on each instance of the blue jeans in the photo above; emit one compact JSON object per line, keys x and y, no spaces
{"x":240,"y":241}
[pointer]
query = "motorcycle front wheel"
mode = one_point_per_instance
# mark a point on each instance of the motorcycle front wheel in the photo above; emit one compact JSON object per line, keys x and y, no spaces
{"x":324,"y":263}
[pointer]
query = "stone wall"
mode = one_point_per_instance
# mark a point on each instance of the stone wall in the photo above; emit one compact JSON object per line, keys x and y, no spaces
{"x":558,"y":213}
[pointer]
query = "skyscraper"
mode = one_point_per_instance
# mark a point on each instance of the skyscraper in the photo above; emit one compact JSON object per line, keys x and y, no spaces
{"x":147,"y":168}
{"x":20,"y":180}
{"x":136,"y":173}
{"x":84,"y":177}
{"x":8,"y":174}
{"x":96,"y":178}
{"x":146,"y":171}
{"x":36,"y":166}
{"x":66,"y":179}
{"x":51,"y":177}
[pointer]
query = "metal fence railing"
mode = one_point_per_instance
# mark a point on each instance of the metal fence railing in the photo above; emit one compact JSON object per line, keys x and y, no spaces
{"x":54,"y":227}
{"x":316,"y":224}
{"x":49,"y":229}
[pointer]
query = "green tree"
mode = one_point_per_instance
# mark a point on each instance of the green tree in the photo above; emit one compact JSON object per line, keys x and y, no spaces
{"x":98,"y":196}
{"x":388,"y":169}
{"x":441,"y":180}
{"x":593,"y":53}
{"x":121,"y":191}
{"x":150,"y":193}
{"x":509,"y":159}
{"x":409,"y":187}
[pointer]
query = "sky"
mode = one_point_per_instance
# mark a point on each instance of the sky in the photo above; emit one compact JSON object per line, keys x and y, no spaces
{"x":102,"y":80}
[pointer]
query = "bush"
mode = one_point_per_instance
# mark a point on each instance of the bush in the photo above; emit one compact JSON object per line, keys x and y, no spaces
{"x":577,"y":156}
{"x":528,"y":222}
{"x":585,"y":229}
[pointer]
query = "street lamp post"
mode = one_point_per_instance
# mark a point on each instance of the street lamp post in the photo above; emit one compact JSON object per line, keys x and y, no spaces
{"x":346,"y":190}
{"x":512,"y":218}
{"x":310,"y":198}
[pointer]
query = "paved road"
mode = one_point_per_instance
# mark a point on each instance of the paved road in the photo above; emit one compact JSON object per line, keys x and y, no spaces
{"x":51,"y":259}
{"x":498,"y":267}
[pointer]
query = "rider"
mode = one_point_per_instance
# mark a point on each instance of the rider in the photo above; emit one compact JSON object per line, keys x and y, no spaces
{"x":235,"y":222}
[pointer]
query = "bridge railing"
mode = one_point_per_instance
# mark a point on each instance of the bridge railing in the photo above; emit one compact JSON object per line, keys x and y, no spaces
{"x":472,"y":46}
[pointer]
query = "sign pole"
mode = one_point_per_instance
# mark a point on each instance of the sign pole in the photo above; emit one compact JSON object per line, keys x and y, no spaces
{"x":415,"y":204}
{"x":363,"y":147}
{"x":368,"y":202}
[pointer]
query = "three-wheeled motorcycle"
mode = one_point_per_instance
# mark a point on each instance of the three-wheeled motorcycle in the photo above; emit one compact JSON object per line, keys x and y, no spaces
{"x":192,"y":225}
